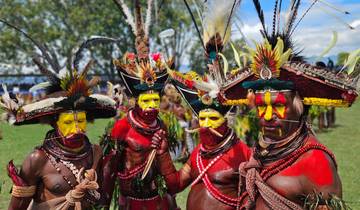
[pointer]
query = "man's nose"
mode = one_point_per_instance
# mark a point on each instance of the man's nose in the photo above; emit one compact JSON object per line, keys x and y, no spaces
{"x":268,"y":113}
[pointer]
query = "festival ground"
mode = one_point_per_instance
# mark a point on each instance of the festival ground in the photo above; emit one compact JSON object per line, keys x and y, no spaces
{"x":343,"y":141}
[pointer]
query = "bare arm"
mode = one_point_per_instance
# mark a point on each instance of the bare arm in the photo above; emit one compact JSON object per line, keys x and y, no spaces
{"x":176,"y":181}
{"x":31,"y":173}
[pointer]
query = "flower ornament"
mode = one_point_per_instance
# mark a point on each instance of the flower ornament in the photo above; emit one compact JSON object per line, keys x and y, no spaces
{"x":266,"y":60}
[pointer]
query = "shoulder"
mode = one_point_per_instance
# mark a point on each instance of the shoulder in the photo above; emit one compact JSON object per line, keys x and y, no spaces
{"x":194,"y":154}
{"x":316,"y":167}
{"x":33,"y":165}
{"x":241,"y":148}
{"x":120,"y":128}
{"x":319,"y":167}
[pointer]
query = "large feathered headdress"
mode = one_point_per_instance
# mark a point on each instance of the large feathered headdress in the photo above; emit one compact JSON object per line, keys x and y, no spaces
{"x":63,"y":93}
{"x":141,"y":71}
{"x":202,"y":92}
{"x":274,"y":65}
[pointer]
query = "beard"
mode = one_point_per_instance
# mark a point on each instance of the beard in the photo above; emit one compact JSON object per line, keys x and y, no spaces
{"x":148,"y":115}
{"x":73,"y":141}
{"x":208,"y":138}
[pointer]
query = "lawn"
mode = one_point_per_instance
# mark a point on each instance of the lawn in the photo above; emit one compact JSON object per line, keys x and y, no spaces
{"x":343,"y":141}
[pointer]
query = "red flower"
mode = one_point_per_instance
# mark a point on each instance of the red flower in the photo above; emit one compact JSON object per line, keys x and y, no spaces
{"x":189,"y":83}
{"x":130,"y":56}
{"x":156,"y":56}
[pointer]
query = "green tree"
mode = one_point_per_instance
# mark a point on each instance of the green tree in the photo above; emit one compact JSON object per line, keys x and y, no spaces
{"x":62,"y":25}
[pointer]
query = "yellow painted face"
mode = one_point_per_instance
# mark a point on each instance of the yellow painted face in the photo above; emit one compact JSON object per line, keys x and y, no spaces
{"x":149,"y":101}
{"x":210,"y":118}
{"x":70,"y":123}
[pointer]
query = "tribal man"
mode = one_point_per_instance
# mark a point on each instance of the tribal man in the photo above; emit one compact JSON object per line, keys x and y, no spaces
{"x":212,"y":170}
{"x":62,"y":172}
{"x":289,"y":167}
{"x":144,"y":77}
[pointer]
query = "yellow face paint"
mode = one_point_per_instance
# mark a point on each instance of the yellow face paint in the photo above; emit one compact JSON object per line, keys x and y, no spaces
{"x":70,"y":123}
{"x":149,"y":101}
{"x":210,"y":119}
{"x":269,"y":110}
{"x":269,"y":103}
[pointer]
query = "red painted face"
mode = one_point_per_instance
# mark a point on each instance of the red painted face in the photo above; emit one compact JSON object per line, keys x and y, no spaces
{"x":278,"y":118}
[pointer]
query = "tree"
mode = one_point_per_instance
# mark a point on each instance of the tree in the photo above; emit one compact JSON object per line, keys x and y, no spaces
{"x":62,"y":25}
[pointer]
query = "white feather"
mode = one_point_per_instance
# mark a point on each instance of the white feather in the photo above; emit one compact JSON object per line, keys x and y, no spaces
{"x":148,"y":17}
{"x":7,"y":103}
{"x":129,"y":17}
{"x":103,"y":99}
{"x":39,"y":86}
{"x":216,"y":17}
{"x":210,"y":86}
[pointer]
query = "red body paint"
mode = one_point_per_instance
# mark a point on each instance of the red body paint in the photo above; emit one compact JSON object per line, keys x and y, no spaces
{"x":315,"y":165}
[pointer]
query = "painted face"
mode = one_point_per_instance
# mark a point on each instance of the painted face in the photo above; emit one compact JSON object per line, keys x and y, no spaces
{"x":278,"y":117}
{"x":149,"y":101}
{"x":209,"y":118}
{"x":70,"y":123}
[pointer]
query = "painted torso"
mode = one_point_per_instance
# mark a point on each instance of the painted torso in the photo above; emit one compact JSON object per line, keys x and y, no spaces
{"x":136,"y":148}
{"x":313,"y":170}
{"x":223,"y":175}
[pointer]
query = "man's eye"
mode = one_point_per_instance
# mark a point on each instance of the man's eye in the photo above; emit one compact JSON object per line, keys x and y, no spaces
{"x":146,"y":101}
{"x":156,"y":100}
{"x":202,"y":118}
{"x":279,"y":105}
{"x":214,"y":118}
{"x":81,"y":121}
{"x":67,"y":122}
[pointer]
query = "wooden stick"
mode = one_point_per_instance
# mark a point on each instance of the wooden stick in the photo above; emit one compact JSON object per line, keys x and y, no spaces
{"x":149,"y":162}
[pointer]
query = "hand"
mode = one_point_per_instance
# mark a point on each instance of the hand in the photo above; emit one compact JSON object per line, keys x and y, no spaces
{"x":159,"y":142}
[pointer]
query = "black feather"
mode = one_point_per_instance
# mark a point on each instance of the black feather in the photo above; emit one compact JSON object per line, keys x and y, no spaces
{"x":260,"y":13}
{"x":196,"y":25}
{"x":278,"y":16}
{"x":302,"y":17}
{"x":53,"y":78}
{"x":88,"y":43}
{"x":294,"y":7}
{"x":275,"y":18}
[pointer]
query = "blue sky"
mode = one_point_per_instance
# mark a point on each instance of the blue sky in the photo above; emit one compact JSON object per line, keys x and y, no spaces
{"x":315,"y":31}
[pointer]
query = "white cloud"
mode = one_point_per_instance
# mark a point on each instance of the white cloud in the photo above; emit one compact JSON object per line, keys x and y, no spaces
{"x":314,"y":33}
{"x":355,"y":23}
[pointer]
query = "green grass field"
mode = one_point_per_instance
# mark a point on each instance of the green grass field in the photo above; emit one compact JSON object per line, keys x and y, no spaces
{"x":343,"y":141}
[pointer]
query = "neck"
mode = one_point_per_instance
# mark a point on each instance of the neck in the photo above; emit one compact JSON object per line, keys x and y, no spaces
{"x":69,"y":149}
{"x":147,"y":121}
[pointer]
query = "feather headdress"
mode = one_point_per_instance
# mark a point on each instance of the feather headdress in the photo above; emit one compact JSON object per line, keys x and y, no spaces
{"x":142,"y":71}
{"x":71,"y":92}
{"x":274,"y":67}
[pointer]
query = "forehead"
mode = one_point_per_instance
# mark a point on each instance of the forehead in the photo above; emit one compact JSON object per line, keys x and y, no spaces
{"x":209,"y":112}
{"x":149,"y":95}
{"x":71,"y":114}
{"x":272,"y":96}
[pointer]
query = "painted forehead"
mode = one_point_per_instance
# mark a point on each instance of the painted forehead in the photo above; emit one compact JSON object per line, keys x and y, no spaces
{"x":272,"y":97}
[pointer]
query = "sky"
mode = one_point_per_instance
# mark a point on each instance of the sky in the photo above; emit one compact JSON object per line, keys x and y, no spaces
{"x":315,"y":31}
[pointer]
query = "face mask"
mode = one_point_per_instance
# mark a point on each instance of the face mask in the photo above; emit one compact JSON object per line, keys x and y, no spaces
{"x":148,"y":101}
{"x":72,"y":127}
{"x":210,"y":119}
{"x":277,"y":115}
